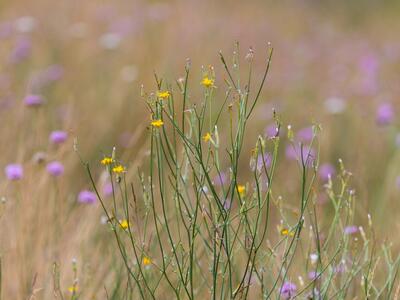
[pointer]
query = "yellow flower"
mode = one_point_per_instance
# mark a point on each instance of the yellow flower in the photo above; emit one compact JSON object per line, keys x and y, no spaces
{"x":118,"y":169}
{"x":241,"y":190}
{"x":73,"y":289}
{"x":146,"y":261}
{"x":207,"y":82}
{"x":207,"y":137}
{"x":107,"y":161}
{"x":286,"y":232}
{"x":163,"y":94}
{"x":124,"y":224}
{"x":157,"y":123}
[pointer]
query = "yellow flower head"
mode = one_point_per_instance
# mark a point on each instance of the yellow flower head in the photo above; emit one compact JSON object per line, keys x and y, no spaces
{"x":163,"y":94}
{"x":73,"y":289}
{"x":146,"y":261}
{"x":157,"y":123}
{"x":107,"y":161}
{"x":207,"y":82}
{"x":207,"y":137}
{"x":124,"y":224}
{"x":241,"y":190}
{"x":286,"y":232}
{"x":118,"y":169}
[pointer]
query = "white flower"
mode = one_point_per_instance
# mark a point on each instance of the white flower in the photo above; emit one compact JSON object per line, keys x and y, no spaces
{"x":110,"y":40}
{"x":313,"y":257}
{"x":103,"y":220}
{"x":25,"y":24}
{"x":335,"y":105}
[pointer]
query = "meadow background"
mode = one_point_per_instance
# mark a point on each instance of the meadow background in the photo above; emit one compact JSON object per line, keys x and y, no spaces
{"x":335,"y":63}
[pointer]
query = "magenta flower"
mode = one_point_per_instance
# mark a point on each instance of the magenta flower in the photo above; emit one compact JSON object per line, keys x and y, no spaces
{"x":326,"y":171}
{"x":14,"y":172}
{"x":351,"y":229}
{"x":288,"y":290}
{"x":384,"y":114}
{"x":55,"y":168}
{"x":58,"y":137}
{"x":87,"y":197}
{"x":33,"y":100}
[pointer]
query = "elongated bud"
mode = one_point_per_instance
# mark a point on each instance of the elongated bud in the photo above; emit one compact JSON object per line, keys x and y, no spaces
{"x":142,"y":90}
{"x":290,"y":133}
{"x":216,"y":136}
{"x":113,"y":153}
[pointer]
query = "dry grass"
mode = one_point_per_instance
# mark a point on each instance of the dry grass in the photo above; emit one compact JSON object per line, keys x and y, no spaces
{"x":318,"y":50}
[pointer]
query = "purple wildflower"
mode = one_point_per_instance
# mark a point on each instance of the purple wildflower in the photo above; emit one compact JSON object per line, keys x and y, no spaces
{"x":326,"y":171}
{"x":220,"y":179}
{"x":340,"y":268}
{"x":87,"y":197}
{"x":384,"y":114}
{"x":47,"y":76}
{"x":313,"y":275}
{"x":14,"y":171}
{"x":107,"y":189}
{"x":226,"y":203}
{"x":58,"y":137}
{"x":271,"y":131}
{"x":305,"y":135}
{"x":303,"y":154}
{"x":263,"y":159}
{"x":55,"y":168}
{"x":33,"y":100}
{"x":288,"y":290}
{"x":54,"y":72}
{"x":22,"y":50}
{"x":369,"y":66}
{"x":351,"y":229}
